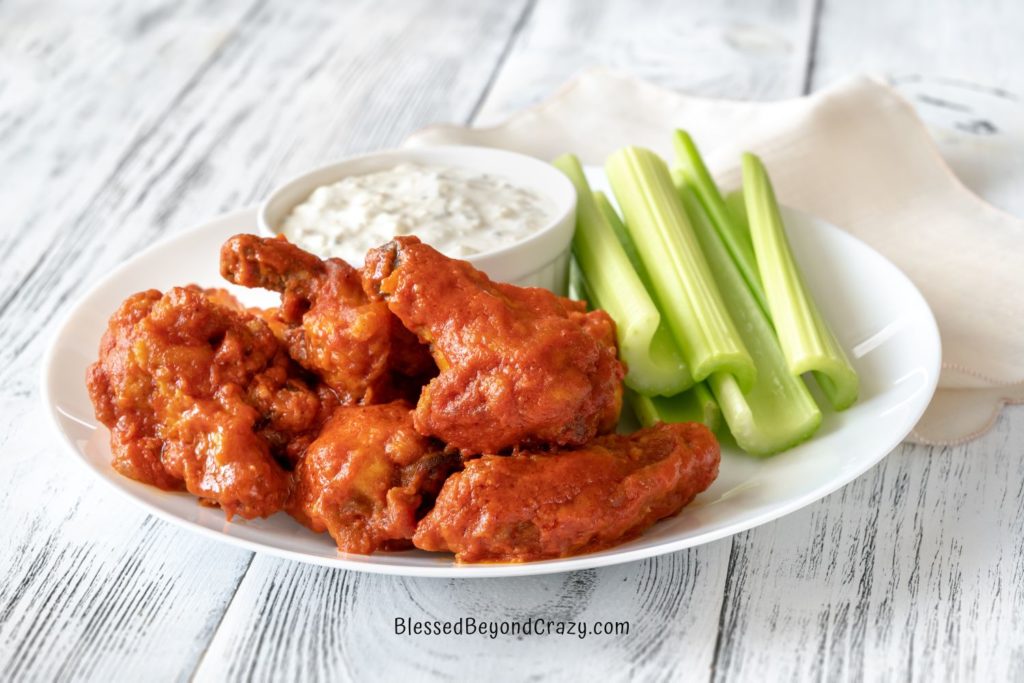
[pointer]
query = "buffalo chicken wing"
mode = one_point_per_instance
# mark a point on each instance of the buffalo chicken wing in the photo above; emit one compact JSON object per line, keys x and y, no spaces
{"x":532,"y":506}
{"x":332,"y":329}
{"x":518,"y":366}
{"x":199,"y":394}
{"x":368,"y":478}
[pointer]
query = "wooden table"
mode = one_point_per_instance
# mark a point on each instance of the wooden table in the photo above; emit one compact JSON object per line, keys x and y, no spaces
{"x":121,"y":123}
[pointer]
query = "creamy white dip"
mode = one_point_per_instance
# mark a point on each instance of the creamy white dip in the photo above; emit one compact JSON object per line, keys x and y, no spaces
{"x":458,"y":211}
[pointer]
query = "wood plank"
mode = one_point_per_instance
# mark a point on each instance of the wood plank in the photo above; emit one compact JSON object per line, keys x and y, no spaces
{"x":138,"y":122}
{"x":94,"y":588}
{"x":737,"y":49}
{"x":911,"y":571}
{"x":300,"y":622}
{"x":976,"y":42}
{"x":90,"y":581}
{"x":71,"y":117}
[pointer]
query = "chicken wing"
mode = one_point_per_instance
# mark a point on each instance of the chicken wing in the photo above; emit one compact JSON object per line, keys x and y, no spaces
{"x":534,"y":506}
{"x":199,"y":394}
{"x":355,"y":345}
{"x":519,"y":366}
{"x":368,"y":478}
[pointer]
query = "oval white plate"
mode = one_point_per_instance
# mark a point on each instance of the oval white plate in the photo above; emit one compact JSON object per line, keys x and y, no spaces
{"x":878,"y":315}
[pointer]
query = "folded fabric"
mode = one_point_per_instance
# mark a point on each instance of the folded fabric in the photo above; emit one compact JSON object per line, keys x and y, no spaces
{"x":856,"y":155}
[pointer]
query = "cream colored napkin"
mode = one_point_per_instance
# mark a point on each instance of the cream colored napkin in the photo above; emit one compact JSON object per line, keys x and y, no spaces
{"x":856,"y":155}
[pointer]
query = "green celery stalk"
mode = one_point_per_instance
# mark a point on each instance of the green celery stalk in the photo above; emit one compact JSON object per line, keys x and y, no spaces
{"x":680,"y":277}
{"x":779,"y":412}
{"x":693,"y":171}
{"x":653,"y":361}
{"x":737,"y":206}
{"x":577,"y":287}
{"x":805,"y":337}
{"x":736,"y":203}
{"x":614,"y":220}
{"x":694,"y":405}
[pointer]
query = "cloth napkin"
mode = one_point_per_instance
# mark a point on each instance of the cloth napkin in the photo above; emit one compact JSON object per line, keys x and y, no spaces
{"x":854,"y":154}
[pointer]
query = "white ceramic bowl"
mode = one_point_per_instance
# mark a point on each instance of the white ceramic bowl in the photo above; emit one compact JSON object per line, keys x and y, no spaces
{"x":540,"y":260}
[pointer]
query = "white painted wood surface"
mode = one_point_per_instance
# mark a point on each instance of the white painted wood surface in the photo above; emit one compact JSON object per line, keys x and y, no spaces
{"x":123,"y":122}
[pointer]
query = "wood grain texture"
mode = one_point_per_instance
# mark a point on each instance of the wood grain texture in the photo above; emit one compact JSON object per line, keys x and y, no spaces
{"x":975,"y":42}
{"x":310,"y":623}
{"x":122,"y":122}
{"x":912,"y":571}
{"x":735,"y":49}
{"x":90,"y":581}
{"x":94,"y":588}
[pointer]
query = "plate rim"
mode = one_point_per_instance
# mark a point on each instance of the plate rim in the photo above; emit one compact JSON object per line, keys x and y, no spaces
{"x":482,"y":570}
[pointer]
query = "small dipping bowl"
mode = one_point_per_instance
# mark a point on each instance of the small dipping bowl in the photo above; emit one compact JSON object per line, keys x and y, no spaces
{"x":540,"y":259}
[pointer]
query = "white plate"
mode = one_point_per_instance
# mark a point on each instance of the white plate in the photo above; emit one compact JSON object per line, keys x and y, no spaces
{"x":876,"y":312}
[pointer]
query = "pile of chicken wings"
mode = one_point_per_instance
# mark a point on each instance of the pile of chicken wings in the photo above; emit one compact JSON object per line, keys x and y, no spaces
{"x":412,"y":402}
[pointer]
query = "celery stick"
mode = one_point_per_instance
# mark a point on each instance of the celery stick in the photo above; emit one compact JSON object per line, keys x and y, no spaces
{"x":681,"y":280}
{"x":779,"y":412}
{"x":653,"y":361}
{"x":614,"y":220}
{"x":737,"y":206}
{"x":693,"y":405}
{"x":709,"y":406}
{"x":577,"y":288}
{"x":803,"y":333}
{"x":737,"y":239}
